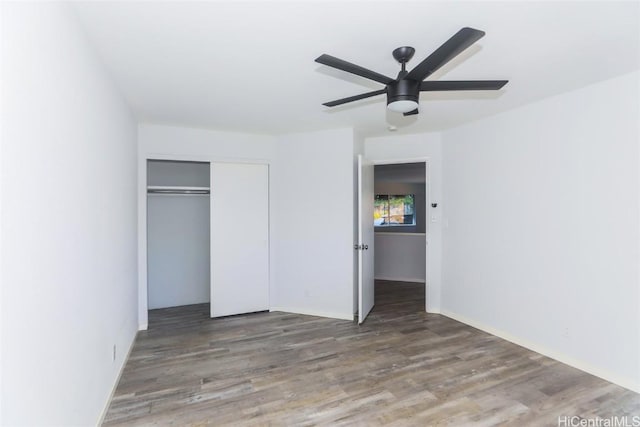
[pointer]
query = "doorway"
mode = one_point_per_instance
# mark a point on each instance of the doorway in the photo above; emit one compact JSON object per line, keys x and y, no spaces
{"x":399,"y":230}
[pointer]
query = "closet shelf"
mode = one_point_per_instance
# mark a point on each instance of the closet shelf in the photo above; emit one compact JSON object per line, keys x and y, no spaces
{"x":170,"y":189}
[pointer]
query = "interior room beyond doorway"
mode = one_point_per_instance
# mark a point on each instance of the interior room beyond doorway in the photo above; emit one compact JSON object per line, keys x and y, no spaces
{"x":401,"y":228}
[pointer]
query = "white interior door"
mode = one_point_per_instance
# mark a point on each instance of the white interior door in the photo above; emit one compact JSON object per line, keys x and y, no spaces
{"x":366,"y":290}
{"x":239,"y":238}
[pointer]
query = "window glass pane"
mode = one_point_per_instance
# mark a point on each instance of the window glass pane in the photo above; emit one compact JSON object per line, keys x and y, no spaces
{"x":381,"y":210}
{"x":394,"y":210}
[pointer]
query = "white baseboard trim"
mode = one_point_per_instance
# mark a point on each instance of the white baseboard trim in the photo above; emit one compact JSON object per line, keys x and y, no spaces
{"x":400,"y":279}
{"x":341,"y":316}
{"x":143,"y":326}
{"x":115,"y":384}
{"x":567,"y":360}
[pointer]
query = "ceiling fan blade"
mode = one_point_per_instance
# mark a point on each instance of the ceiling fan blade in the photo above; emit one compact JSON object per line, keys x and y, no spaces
{"x":334,"y":62}
{"x":462,"y":85}
{"x":411,"y":113}
{"x":445,"y":53}
{"x":354,"y":98}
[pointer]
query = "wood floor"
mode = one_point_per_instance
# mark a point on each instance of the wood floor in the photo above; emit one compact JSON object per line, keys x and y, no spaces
{"x":403,"y":367}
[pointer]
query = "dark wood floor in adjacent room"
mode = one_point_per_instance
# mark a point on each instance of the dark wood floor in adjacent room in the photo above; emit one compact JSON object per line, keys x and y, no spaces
{"x":403,"y":367}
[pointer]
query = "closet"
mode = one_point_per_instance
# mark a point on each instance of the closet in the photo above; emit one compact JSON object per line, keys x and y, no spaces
{"x":208,"y":235}
{"x":178,"y":236}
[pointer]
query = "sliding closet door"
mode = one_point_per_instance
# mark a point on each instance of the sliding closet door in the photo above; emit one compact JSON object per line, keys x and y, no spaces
{"x":239,"y":238}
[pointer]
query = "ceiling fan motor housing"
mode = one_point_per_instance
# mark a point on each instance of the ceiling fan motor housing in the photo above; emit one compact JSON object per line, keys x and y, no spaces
{"x":403,"y":90}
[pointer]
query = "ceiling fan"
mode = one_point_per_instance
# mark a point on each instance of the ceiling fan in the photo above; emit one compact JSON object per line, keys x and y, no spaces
{"x":403,"y":92}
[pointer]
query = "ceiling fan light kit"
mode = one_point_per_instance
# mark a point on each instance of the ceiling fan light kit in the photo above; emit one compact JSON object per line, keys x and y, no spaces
{"x":403,"y":92}
{"x":402,"y":95}
{"x":402,"y":105}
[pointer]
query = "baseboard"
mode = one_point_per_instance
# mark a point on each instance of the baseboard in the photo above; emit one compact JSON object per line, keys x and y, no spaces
{"x":341,"y":316}
{"x":400,"y":279}
{"x":143,"y":326}
{"x":115,"y":384}
{"x":567,"y":360}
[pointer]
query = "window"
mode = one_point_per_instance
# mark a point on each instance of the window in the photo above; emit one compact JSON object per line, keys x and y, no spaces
{"x":396,"y":210}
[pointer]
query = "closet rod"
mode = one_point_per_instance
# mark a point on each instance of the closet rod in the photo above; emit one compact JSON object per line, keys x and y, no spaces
{"x":184,"y":192}
{"x":156,"y":189}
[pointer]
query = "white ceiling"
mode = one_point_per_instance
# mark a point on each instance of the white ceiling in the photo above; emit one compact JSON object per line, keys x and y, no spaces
{"x":250,"y":66}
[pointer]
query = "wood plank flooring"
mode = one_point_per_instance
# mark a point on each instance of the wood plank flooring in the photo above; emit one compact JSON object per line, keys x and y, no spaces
{"x":403,"y":367}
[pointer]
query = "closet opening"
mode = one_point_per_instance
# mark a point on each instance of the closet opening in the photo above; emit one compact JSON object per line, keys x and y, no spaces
{"x":178,"y":234}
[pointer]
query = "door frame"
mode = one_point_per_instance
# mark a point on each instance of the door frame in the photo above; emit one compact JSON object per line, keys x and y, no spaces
{"x":427,"y":170}
{"x":143,"y":302}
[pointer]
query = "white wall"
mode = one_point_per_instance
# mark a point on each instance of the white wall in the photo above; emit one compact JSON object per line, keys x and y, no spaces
{"x":400,"y":256}
{"x":314,"y":211}
{"x":3,"y":134}
{"x":543,"y":227}
{"x":68,"y":222}
{"x":308,"y":266}
{"x":418,"y":147}
{"x":180,"y":143}
{"x":205,"y":144}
